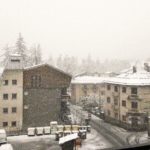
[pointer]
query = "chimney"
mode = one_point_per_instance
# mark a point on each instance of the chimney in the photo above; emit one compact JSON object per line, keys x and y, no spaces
{"x":134,"y":69}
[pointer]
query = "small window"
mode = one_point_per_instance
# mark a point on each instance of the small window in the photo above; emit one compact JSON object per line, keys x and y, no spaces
{"x":14,"y":109}
{"x":13,"y":124}
{"x":5,"y":124}
{"x":124,"y":90}
{"x":134,"y":90}
{"x":108,"y":99}
{"x":5,"y":82}
{"x":124,"y":117}
{"x":15,"y":60}
{"x":14,"y":96}
{"x":116,"y":88}
{"x":14,"y":82}
{"x":5,"y":96}
{"x":134,"y":105}
{"x":108,"y":87}
{"x":5,"y":110}
{"x":124,"y":103}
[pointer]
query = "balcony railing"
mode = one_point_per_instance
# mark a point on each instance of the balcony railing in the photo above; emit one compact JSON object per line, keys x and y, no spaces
{"x":115,"y":94}
{"x":134,"y":97}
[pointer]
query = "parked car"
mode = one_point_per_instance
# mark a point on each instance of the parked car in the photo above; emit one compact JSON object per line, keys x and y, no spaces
{"x":31,"y":131}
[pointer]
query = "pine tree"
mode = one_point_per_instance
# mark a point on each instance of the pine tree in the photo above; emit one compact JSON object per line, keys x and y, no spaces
{"x":21,"y":49}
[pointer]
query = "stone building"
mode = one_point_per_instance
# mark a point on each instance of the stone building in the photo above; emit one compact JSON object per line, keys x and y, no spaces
{"x":11,"y":94}
{"x":44,"y":89}
{"x":87,"y":88}
{"x":127,"y":97}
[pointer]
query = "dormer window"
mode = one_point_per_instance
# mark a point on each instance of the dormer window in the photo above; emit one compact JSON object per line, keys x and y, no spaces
{"x":15,"y":60}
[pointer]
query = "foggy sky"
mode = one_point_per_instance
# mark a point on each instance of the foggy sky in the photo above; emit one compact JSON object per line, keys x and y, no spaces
{"x":104,"y":28}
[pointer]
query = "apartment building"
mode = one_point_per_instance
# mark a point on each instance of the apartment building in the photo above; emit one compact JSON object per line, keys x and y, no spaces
{"x":87,"y":88}
{"x":11,"y":94}
{"x":127,"y":98}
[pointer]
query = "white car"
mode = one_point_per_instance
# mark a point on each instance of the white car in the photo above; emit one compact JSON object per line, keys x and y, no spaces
{"x":39,"y":131}
{"x":6,"y":147}
{"x":31,"y":131}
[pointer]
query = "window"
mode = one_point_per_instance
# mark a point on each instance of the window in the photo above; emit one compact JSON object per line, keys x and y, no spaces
{"x":124,"y":90}
{"x":14,"y":109}
{"x":134,"y":90}
{"x":5,"y":124}
{"x":36,"y":81}
{"x":116,"y":115}
{"x":124,"y":103}
{"x":5,"y":110}
{"x":116,"y":101}
{"x":108,"y":99}
{"x":14,"y":95}
{"x":14,"y":82}
{"x":124,"y":117}
{"x":116,"y":88}
{"x":5,"y":82}
{"x":5,"y":96}
{"x":13,"y":123}
{"x":15,"y":60}
{"x":94,"y":88}
{"x":134,"y":105}
{"x":108,"y":87}
{"x":102,"y":92}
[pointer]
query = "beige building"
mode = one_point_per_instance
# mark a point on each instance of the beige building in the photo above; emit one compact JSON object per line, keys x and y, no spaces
{"x":87,"y":87}
{"x":11,"y":94}
{"x":128,"y":96}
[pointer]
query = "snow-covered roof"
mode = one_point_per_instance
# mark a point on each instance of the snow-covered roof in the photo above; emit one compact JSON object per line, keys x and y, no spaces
{"x":67,"y":138}
{"x":140,"y":77}
{"x":87,"y":80}
{"x":45,"y":64}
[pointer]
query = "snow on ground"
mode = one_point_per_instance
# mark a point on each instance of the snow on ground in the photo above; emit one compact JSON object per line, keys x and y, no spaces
{"x":94,"y":141}
{"x":144,"y":139}
{"x":26,"y":138}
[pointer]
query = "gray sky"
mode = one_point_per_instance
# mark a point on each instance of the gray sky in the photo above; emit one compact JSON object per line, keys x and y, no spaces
{"x":104,"y":28}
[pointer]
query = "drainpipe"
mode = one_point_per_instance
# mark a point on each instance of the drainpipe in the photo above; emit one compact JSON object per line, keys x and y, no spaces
{"x":119,"y":102}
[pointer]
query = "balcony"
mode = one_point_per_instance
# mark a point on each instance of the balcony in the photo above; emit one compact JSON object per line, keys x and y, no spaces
{"x":134,"y":97}
{"x":115,"y":94}
{"x":134,"y":111}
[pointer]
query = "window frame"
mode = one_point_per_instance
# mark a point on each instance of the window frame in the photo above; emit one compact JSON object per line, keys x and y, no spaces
{"x":7,"y":96}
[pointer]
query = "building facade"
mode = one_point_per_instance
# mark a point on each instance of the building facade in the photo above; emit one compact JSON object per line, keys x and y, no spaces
{"x":127,"y":97}
{"x":44,"y":88}
{"x":11,"y":94}
{"x":89,"y":88}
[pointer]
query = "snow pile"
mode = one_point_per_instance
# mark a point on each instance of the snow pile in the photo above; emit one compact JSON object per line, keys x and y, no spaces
{"x":6,"y":147}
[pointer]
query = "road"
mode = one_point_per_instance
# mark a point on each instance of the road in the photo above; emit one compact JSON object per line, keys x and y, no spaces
{"x":118,"y":137}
